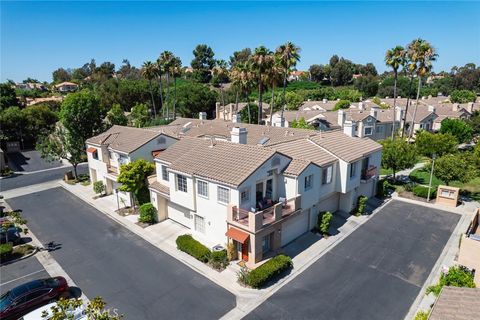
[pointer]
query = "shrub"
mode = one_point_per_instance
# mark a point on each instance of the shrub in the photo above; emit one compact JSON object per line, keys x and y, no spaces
{"x":242,"y":275}
{"x":147,"y":213}
{"x":324,"y":219}
{"x":194,"y":248}
{"x":361,"y":205}
{"x":342,"y":104}
{"x":421,"y":315}
{"x":457,"y":276}
{"x":421,"y":191}
{"x":462,"y":96}
{"x":219,"y":260}
{"x":382,"y":188}
{"x":6,"y":250}
{"x":269,"y":270}
{"x":231,"y":251}
{"x":98,"y":187}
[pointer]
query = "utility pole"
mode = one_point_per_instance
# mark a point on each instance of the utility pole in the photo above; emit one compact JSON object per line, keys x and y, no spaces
{"x":431,"y":176}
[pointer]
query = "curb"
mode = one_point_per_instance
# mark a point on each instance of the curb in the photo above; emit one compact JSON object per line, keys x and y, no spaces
{"x":21,"y":258}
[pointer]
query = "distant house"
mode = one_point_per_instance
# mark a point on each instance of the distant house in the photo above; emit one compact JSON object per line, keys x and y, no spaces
{"x":31,"y":86}
{"x":297,"y":75}
{"x":65,"y":87}
{"x":231,"y":111}
{"x":323,"y":105}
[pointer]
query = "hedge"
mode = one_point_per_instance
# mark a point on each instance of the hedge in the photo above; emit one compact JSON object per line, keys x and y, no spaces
{"x":6,"y":250}
{"x":218,"y":259}
{"x":421,"y":191}
{"x":267,"y":271}
{"x":194,"y":248}
{"x":323,"y":222}
{"x":147,"y":213}
{"x":361,"y":205}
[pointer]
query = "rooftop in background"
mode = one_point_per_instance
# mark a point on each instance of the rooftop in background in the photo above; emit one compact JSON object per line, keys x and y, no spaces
{"x":455,"y":303}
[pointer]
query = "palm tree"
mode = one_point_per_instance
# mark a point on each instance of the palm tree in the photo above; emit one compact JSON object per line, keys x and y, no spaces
{"x":261,"y":61}
{"x":424,"y":54}
{"x":241,"y":76}
{"x":289,"y":55}
{"x":395,"y":58}
{"x":166,"y":61}
{"x":410,"y":68}
{"x":273,"y":78}
{"x":176,"y":71}
{"x":148,"y":72}
{"x":159,"y":73}
{"x":220,"y":71}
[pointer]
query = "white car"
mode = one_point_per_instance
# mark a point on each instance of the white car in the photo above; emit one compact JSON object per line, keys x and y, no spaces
{"x":78,"y":313}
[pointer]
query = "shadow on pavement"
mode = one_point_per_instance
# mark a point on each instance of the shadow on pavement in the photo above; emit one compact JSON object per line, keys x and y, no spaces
{"x":52,"y":246}
{"x":74,"y":292}
{"x":301,"y":244}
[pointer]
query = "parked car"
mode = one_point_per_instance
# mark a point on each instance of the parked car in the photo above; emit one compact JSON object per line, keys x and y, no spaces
{"x":24,"y":298}
{"x":10,"y":235}
{"x":76,"y":314}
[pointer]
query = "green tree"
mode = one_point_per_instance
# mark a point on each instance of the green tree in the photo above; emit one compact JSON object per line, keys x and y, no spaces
{"x":301,"y":124}
{"x":193,"y":98}
{"x":452,"y":167}
{"x":133,"y":177}
{"x":166,"y":60}
{"x":61,"y":75}
{"x":293,"y":100}
{"x":95,"y":310}
{"x":242,"y":83}
{"x":261,"y":61}
{"x":176,"y":67}
{"x":139,"y":115}
{"x":8,"y":97}
{"x":398,"y":155}
{"x":82,"y":115}
{"x":38,"y":120}
{"x":342,"y":104}
{"x":319,"y":73}
{"x":62,"y":144}
{"x":287,"y":55}
{"x":368,"y":85}
{"x":149,"y":72}
{"x":342,"y":72}
{"x":249,"y":112}
{"x":12,"y":123}
{"x":439,"y":144}
{"x":241,"y":56}
{"x":395,"y":58}
{"x":116,"y":116}
{"x":98,"y":187}
{"x":457,"y":128}
{"x":463,"y":96}
{"x":203,"y":62}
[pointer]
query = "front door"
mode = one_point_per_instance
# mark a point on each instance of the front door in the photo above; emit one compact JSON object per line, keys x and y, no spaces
{"x":245,"y":251}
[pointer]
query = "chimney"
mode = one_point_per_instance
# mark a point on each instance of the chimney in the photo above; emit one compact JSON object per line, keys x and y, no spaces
{"x":399,"y":97}
{"x":470,"y":107}
{"x":202,"y":116}
{"x":236,"y":118}
{"x":431,"y":108}
{"x":360,"y":106}
{"x":231,"y":111}
{"x":399,"y":114}
{"x":455,"y":107}
{"x":374,"y":112}
{"x":239,"y":135}
{"x":324,"y":100}
{"x":349,"y":128}
{"x":341,"y":117}
{"x":217,"y":110}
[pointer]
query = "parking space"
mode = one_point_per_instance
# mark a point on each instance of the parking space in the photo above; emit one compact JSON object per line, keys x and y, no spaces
{"x":29,"y":161}
{"x":375,"y":273}
{"x":17,"y":273}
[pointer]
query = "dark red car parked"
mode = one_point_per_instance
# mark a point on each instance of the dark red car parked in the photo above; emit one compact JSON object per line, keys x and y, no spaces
{"x":26,"y":297}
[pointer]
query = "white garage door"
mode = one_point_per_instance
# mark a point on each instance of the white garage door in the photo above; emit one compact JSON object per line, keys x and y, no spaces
{"x":294,"y":228}
{"x":180,"y":215}
{"x":330,"y":204}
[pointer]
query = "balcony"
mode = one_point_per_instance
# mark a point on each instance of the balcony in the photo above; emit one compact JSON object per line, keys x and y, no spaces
{"x":254,"y":221}
{"x":112,"y":170}
{"x":369,"y":173}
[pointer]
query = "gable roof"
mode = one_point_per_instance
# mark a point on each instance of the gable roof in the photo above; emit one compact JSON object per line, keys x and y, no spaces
{"x":455,"y":303}
{"x":223,"y":162}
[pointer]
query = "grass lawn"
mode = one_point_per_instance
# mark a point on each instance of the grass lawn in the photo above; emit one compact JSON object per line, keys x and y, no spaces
{"x":385,"y":172}
{"x":423,"y":177}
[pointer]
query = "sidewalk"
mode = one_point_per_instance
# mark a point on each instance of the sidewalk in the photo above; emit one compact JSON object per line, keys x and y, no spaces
{"x":304,"y":251}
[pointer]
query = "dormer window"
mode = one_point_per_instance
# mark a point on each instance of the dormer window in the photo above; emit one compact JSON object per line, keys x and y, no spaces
{"x":164,"y":173}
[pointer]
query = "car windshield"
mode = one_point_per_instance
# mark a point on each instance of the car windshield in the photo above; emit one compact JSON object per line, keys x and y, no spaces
{"x":51,"y":282}
{"x":5,"y":301}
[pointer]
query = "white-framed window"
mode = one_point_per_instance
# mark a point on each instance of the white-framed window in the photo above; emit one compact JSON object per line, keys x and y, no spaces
{"x":223,"y":195}
{"x":266,"y":243}
{"x":368,"y":131}
{"x":164,"y":173}
{"x":353,"y":170}
{"x":308,"y":182}
{"x":327,"y":175}
{"x":202,"y":188}
{"x":199,"y":224}
{"x":244,"y":195}
{"x":182,"y":183}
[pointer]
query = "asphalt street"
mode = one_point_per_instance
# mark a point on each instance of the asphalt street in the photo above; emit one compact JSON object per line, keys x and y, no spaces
{"x":375,"y":273}
{"x":20,"y":272}
{"x":105,"y":259}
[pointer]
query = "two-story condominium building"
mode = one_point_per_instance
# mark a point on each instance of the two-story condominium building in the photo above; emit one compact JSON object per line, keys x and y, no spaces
{"x":119,"y":145}
{"x":259,"y":191}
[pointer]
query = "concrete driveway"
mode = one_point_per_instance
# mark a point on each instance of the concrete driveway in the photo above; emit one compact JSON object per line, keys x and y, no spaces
{"x":104,"y":259}
{"x":375,"y":273}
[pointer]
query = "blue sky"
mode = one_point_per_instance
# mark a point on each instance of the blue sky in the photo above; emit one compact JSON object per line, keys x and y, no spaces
{"x":38,"y":37}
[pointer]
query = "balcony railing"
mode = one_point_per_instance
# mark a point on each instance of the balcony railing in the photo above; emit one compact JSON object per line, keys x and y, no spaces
{"x":254,"y":221}
{"x":369,"y":173}
{"x":112,"y":170}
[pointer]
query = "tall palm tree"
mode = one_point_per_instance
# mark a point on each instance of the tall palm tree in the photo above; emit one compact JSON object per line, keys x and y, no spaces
{"x":166,"y":61}
{"x":289,"y":55}
{"x":160,"y":69}
{"x":395,"y":58}
{"x":242,"y":80}
{"x":424,"y":54}
{"x":220,"y":71}
{"x":410,"y":68}
{"x":148,"y":72}
{"x":273,"y":78}
{"x":261,"y":60}
{"x":175,"y":71}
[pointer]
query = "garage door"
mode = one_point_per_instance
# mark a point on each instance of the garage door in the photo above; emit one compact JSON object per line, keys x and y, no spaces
{"x":180,"y":215}
{"x":330,"y":204}
{"x":294,"y":228}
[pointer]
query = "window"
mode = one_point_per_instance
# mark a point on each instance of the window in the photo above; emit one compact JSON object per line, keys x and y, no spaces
{"x":244,"y":195}
{"x":223,"y":195}
{"x":266,"y":242}
{"x":199,"y":224}
{"x":327,"y":175}
{"x":308,"y":182}
{"x":95,"y":155}
{"x":353,"y":170}
{"x":164,"y":173}
{"x":181,"y":183}
{"x":379,"y":129}
{"x":368,"y":131}
{"x":202,"y":188}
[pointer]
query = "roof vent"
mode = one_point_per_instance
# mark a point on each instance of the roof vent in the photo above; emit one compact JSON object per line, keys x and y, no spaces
{"x":212,"y":142}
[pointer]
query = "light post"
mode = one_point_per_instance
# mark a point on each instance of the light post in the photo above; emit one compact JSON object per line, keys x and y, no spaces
{"x":431,"y":176}
{"x":118,"y":205}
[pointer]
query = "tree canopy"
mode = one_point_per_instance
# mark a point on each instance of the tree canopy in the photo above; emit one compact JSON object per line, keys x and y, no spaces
{"x":457,"y":128}
{"x":203,"y":62}
{"x":398,"y":155}
{"x":453,"y":167}
{"x":133,"y":177}
{"x":439,"y":144}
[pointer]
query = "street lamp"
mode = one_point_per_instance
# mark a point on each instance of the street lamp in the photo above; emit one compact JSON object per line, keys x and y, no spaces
{"x":118,"y":205}
{"x":431,"y":176}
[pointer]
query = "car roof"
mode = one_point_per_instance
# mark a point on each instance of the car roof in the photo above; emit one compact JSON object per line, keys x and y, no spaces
{"x":29,"y":286}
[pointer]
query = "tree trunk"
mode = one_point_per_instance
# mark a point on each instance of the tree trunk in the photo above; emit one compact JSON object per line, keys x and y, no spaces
{"x":284,"y":103}
{"x":153,"y":100}
{"x":175,"y":97}
{"x":260,"y":89}
{"x":394,"y":103}
{"x":248,"y":108}
{"x":406,"y":107}
{"x":271,"y":106}
{"x":236,"y":101}
{"x":223,"y":102}
{"x":75,"y":170}
{"x":168,"y":94}
{"x":416,"y":106}
{"x":160,"y":83}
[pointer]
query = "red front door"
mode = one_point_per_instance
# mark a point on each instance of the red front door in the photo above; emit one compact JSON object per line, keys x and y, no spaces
{"x":245,"y":251}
